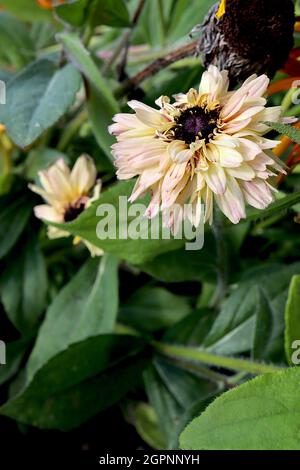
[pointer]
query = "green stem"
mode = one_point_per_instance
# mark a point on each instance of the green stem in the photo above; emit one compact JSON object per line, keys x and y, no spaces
{"x":222,"y":257}
{"x":199,"y":355}
{"x":71,"y":130}
{"x":287,"y":100}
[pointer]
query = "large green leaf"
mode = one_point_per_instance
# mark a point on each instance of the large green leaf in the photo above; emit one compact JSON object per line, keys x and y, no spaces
{"x":101,"y":102}
{"x":78,"y":383}
{"x":37,"y":98}
{"x":15,"y":210}
{"x":17,"y":47}
{"x":153,"y":308}
{"x":136,"y":251}
{"x":85,"y":307}
{"x":262,"y":414}
{"x":292,"y":318}
{"x":23,"y":301}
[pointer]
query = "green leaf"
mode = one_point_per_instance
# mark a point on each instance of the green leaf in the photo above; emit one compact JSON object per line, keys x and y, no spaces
{"x":27,"y":11}
{"x":101,"y":102}
{"x":78,"y":383}
{"x":24,"y":303}
{"x":174,"y":392}
{"x":15,"y":210}
{"x":73,"y":13}
{"x":37,"y":98}
{"x":95,"y":12}
{"x":135,"y":251}
{"x":109,"y":12}
{"x":15,"y":352}
{"x":192,"y":330}
{"x":233,"y":331}
{"x":17,"y":47}
{"x":262,"y":414}
{"x":85,"y":307}
{"x":292,"y":132}
{"x":153,"y":308}
{"x":275,"y":208}
{"x":292,"y":320}
{"x":146,"y":423}
{"x":183,"y":265}
{"x":41,"y":159}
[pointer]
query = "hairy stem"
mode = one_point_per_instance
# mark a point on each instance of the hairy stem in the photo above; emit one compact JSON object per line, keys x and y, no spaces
{"x":198,"y":355}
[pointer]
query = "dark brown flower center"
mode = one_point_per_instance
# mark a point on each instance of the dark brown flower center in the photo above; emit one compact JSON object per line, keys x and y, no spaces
{"x":195,"y":123}
{"x":72,"y":212}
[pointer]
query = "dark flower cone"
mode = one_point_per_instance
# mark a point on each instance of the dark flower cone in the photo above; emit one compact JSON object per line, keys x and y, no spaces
{"x":253,"y":36}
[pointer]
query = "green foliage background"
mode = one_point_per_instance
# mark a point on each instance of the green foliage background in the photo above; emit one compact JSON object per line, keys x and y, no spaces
{"x":140,"y":329}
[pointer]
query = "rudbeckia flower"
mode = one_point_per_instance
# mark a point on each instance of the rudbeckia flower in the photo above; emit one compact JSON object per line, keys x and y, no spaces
{"x":206,"y":147}
{"x":67,"y":193}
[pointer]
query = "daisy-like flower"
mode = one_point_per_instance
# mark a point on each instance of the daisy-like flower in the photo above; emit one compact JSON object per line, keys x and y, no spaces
{"x":206,"y":147}
{"x":67,"y":193}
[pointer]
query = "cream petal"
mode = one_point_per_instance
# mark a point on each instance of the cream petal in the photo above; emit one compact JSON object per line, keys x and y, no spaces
{"x":215,"y":178}
{"x":147,"y":115}
{"x":83,"y":175}
{"x":257,"y":193}
{"x":243,"y":172}
{"x":46,"y":212}
{"x":231,"y":202}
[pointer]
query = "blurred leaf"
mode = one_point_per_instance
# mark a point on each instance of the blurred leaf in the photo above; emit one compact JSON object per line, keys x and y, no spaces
{"x":15,"y":210}
{"x":26,"y":10}
{"x":85,"y":307}
{"x":74,"y":13}
{"x":37,"y":98}
{"x":41,"y":159}
{"x":17,"y":47}
{"x":192,"y":330}
{"x":292,"y":317}
{"x":234,"y":328}
{"x":101,"y":102}
{"x":183,"y":265}
{"x":173,"y":392}
{"x":109,"y":12}
{"x":146,"y":423}
{"x":185,"y":16}
{"x":264,"y":330}
{"x":135,"y":251}
{"x":15,"y":352}
{"x":292,"y":132}
{"x":78,"y":383}
{"x":23,"y":286}
{"x":262,"y":414}
{"x":153,"y":308}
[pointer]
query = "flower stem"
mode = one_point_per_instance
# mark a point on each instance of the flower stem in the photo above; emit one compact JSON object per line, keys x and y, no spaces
{"x":198,"y":355}
{"x":222,"y":257}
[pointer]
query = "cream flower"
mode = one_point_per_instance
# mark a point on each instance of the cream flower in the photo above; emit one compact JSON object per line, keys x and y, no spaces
{"x":206,"y":147}
{"x":67,"y":194}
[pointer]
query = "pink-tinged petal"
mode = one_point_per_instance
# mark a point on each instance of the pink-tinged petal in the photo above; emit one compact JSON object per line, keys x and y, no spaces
{"x":214,"y":82}
{"x":232,"y":202}
{"x":48,"y":213}
{"x":149,"y":116}
{"x":257,"y":193}
{"x":215,"y":178}
{"x":154,"y":206}
{"x":235,"y":126}
{"x":208,"y":216}
{"x":243,"y":172}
